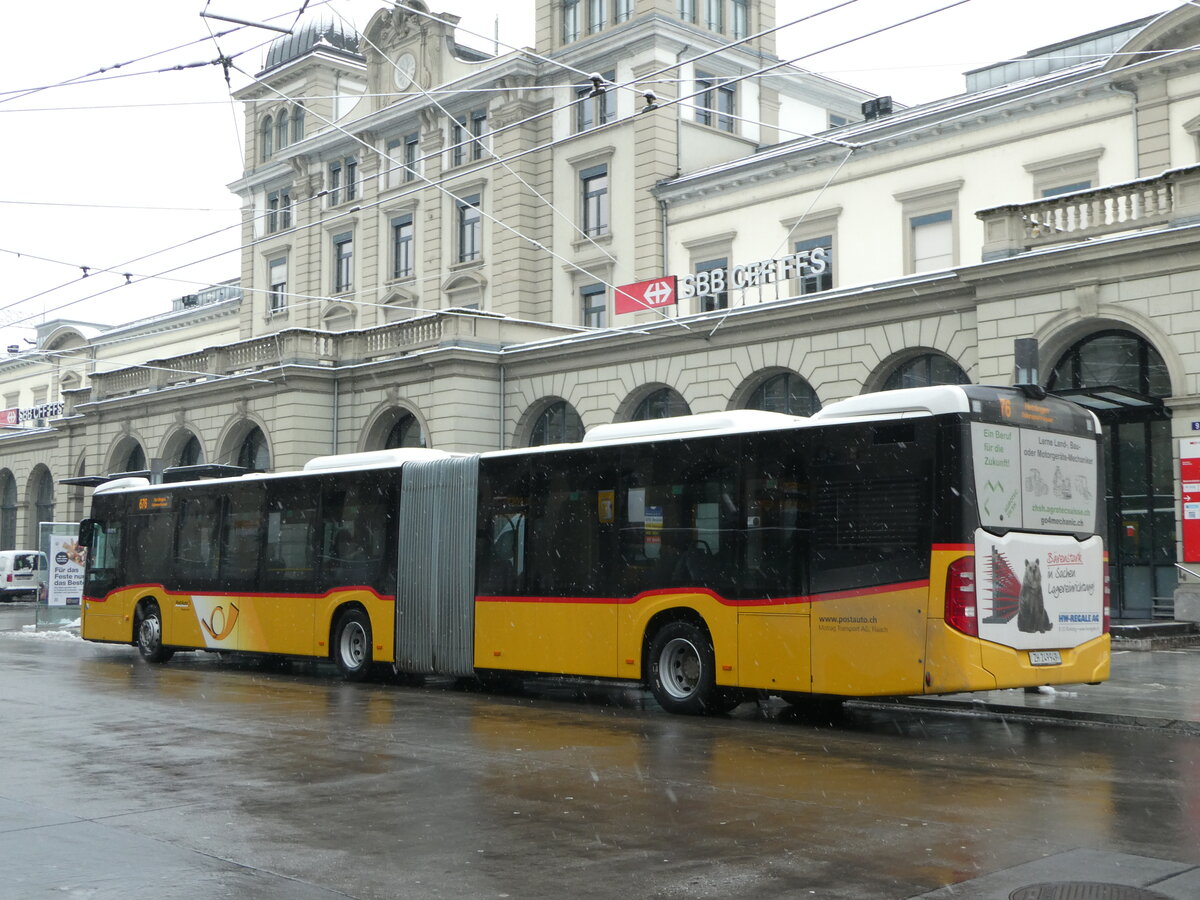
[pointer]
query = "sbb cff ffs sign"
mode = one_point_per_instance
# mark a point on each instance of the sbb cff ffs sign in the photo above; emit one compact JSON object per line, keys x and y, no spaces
{"x":652,"y":294}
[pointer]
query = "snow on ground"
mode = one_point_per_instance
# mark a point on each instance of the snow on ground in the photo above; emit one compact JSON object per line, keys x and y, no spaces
{"x":67,"y":631}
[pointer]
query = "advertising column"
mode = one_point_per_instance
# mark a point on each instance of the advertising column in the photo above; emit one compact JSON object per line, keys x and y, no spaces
{"x":65,"y":582}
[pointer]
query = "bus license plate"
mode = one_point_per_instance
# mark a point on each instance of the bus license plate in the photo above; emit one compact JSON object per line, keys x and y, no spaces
{"x":1045,"y":658}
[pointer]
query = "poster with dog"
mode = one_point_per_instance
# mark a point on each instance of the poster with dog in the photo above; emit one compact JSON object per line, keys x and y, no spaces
{"x":1038,"y":592}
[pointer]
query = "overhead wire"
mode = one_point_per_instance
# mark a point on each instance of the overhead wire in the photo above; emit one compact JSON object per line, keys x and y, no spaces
{"x":1080,"y":58}
{"x":487,"y":146}
{"x":550,"y":144}
{"x":460,"y":200}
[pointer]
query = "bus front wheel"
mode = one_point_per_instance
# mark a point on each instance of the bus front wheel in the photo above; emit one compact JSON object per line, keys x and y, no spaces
{"x":149,"y":633}
{"x":682,"y":671}
{"x":352,"y":645}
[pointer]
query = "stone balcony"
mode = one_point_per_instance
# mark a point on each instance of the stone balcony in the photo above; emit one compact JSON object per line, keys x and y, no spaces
{"x":468,"y":329}
{"x":1172,"y":198}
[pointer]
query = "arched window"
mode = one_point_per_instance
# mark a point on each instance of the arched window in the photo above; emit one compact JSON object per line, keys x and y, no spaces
{"x":43,"y":501}
{"x":254,"y":455}
{"x":192,"y":453}
{"x":405,"y":433}
{"x":267,"y":139}
{"x":1123,"y":379}
{"x":1112,"y":359}
{"x":8,"y":511}
{"x":558,"y":424}
{"x":281,"y":130}
{"x":786,"y":393}
{"x":922,"y":371}
{"x":661,"y":404}
{"x":297,"y":123}
{"x":135,"y":461}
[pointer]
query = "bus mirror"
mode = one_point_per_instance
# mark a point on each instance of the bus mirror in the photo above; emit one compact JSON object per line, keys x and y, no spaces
{"x":86,"y":527}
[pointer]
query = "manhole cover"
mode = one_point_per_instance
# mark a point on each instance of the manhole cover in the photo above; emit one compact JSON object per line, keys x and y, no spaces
{"x":1083,"y":890}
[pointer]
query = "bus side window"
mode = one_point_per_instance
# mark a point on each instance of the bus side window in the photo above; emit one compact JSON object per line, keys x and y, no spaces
{"x":355,"y":523}
{"x":196,"y":556}
{"x":679,"y":516}
{"x":291,"y":519}
{"x":104,"y":558}
{"x":240,"y":538}
{"x":501,"y":557}
{"x":777,"y":512}
{"x":872,"y":515}
{"x":500,"y":539}
{"x":148,"y":547}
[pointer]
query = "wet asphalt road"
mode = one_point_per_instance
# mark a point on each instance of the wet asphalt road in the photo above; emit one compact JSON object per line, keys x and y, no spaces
{"x":212,"y":778}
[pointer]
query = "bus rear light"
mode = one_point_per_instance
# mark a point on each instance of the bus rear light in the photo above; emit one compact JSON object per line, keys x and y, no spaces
{"x":1107,"y":598}
{"x":960,"y":596}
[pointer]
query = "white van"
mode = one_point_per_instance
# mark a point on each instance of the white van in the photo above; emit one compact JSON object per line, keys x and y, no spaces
{"x":22,"y":572}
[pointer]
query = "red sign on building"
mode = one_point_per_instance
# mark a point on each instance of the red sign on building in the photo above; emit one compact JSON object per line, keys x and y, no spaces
{"x":1189,"y":477}
{"x":652,"y":294}
{"x":10,"y":417}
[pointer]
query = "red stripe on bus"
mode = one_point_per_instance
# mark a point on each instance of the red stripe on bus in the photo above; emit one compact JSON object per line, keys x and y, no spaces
{"x":955,"y":548}
{"x":724,"y":601}
{"x":387,"y":598}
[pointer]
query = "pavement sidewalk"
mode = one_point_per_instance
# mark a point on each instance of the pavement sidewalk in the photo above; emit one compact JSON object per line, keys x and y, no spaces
{"x":1156,"y":689}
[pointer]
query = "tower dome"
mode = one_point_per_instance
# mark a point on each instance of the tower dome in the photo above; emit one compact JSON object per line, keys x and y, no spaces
{"x":320,"y":32}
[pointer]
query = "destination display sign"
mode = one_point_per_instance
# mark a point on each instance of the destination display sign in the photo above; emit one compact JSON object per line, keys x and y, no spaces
{"x":1049,"y":413}
{"x":153,"y":503}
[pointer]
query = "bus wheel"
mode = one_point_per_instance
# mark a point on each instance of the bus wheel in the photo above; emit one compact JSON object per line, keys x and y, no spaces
{"x":682,"y":670}
{"x":148,"y":631}
{"x":352,"y":645}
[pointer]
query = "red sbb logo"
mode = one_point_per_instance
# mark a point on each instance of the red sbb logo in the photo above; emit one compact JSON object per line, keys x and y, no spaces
{"x":653,"y":294}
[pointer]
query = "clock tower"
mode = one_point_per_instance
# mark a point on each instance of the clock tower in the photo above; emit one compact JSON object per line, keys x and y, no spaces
{"x":406,"y":50}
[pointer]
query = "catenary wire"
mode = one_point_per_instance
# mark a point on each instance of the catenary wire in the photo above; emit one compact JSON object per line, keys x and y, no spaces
{"x":550,"y":144}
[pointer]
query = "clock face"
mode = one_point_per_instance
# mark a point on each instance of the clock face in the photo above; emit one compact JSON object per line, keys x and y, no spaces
{"x":406,"y":65}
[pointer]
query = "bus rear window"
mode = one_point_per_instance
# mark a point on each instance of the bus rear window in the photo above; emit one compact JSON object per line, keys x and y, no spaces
{"x":1034,"y":480}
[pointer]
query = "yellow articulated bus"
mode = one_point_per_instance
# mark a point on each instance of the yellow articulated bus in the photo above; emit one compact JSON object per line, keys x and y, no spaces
{"x":928,"y":540}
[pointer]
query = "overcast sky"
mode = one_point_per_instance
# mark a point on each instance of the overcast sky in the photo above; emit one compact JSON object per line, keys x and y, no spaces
{"x":128,"y":171}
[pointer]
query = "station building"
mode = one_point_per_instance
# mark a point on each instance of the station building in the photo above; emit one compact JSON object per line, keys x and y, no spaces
{"x":433,"y":239}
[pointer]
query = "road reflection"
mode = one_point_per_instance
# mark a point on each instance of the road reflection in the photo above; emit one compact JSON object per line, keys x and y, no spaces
{"x":901,"y":798}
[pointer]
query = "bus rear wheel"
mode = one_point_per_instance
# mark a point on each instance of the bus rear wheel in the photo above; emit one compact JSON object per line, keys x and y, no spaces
{"x":352,"y":645}
{"x":148,"y":632}
{"x":682,"y":671}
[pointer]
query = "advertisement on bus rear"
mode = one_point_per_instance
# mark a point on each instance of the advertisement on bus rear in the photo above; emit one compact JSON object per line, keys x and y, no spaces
{"x":1039,"y":591}
{"x":1036,"y":480}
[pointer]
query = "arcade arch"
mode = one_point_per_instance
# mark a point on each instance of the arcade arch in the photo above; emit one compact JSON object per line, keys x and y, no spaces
{"x":1121,"y":377}
{"x":556,"y":422}
{"x":777,"y":390}
{"x":655,"y":401}
{"x":395,"y":426}
{"x":8,"y":510}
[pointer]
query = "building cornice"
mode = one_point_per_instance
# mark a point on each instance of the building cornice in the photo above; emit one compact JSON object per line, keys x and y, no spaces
{"x":936,"y":121}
